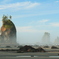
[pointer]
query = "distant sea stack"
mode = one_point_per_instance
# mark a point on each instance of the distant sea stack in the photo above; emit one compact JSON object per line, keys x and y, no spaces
{"x":56,"y":42}
{"x":46,"y":39}
{"x":8,"y":32}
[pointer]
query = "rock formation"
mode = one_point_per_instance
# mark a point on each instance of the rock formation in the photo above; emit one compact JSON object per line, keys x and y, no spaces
{"x":46,"y":39}
{"x":8,"y":31}
{"x":56,"y":42}
{"x":30,"y":49}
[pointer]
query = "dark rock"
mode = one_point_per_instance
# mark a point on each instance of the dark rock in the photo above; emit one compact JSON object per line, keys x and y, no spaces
{"x":41,"y":49}
{"x":53,"y":47}
{"x":46,"y":46}
{"x":30,"y":49}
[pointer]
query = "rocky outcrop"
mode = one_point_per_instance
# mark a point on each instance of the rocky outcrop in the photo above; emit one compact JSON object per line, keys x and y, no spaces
{"x":54,"y":47}
{"x":30,"y":49}
{"x":8,"y":31}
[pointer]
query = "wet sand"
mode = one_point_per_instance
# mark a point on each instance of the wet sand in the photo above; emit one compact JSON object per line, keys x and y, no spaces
{"x":37,"y":55}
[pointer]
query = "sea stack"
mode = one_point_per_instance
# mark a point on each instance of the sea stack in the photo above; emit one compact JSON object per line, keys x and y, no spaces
{"x":46,"y":39}
{"x":8,"y":32}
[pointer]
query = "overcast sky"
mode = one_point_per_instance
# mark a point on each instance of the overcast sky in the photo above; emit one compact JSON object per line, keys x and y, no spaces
{"x":32,"y":18}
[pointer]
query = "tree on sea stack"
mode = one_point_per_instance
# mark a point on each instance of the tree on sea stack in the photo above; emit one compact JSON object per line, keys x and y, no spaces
{"x":7,"y":23}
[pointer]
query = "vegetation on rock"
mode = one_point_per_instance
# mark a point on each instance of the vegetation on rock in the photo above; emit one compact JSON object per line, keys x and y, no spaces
{"x":7,"y":23}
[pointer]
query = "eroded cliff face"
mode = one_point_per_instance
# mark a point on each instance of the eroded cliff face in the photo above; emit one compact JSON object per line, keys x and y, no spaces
{"x":8,"y":31}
